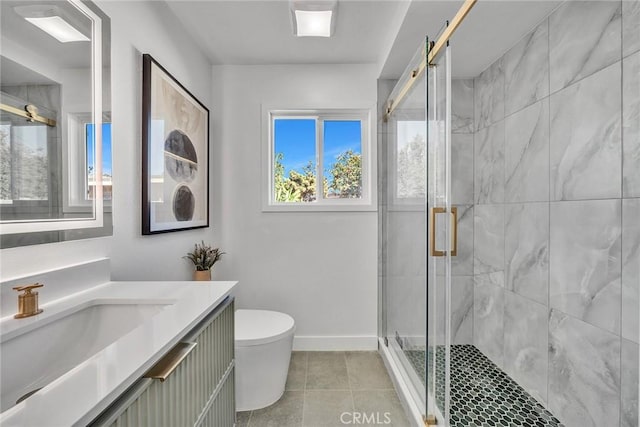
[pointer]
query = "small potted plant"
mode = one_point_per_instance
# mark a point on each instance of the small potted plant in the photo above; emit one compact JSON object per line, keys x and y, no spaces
{"x":203,"y":257}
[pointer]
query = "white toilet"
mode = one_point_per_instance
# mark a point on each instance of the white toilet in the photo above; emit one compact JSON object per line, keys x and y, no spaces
{"x":263,"y":344}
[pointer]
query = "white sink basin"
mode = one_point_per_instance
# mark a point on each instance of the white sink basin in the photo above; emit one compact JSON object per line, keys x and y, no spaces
{"x":32,"y":358}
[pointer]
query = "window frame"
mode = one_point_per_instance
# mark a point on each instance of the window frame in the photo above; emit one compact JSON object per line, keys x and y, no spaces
{"x":368,"y":201}
{"x":74,"y":187}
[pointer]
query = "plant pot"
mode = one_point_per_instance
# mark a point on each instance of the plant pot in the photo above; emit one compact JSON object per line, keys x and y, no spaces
{"x":202,"y":275}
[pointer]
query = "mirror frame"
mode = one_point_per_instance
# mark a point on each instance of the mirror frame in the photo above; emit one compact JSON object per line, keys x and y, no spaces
{"x":40,"y":225}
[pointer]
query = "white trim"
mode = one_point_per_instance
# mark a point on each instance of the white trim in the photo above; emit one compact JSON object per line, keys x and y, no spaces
{"x":335,"y":343}
{"x":404,"y":393}
{"x":74,"y":161}
{"x":368,"y":202}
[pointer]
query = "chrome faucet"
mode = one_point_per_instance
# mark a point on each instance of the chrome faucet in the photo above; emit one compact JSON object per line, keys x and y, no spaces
{"x":28,"y":301}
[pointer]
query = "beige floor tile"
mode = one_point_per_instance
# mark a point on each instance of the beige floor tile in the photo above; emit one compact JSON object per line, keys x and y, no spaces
{"x":367,"y":371}
{"x":297,"y":375}
{"x":379,"y":407}
{"x":242,"y":418}
{"x":327,"y":370}
{"x":286,"y":412}
{"x":326,"y":407}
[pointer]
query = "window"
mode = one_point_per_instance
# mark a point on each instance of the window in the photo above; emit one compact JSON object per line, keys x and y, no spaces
{"x":319,"y":160}
{"x":89,"y":176}
{"x":79,"y":162}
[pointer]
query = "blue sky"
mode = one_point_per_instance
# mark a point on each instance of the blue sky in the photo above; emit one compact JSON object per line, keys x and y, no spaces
{"x":106,"y":147}
{"x":296,"y":139}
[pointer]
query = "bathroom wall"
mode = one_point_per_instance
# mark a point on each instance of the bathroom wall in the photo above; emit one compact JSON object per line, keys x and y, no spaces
{"x":557,"y":208}
{"x":320,"y":267}
{"x":136,"y":28}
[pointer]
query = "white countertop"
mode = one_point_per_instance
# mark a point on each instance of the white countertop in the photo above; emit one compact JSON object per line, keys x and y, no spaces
{"x":78,"y":396}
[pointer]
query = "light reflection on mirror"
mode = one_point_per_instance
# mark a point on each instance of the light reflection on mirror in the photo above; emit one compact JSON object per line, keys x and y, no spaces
{"x":47,"y":123}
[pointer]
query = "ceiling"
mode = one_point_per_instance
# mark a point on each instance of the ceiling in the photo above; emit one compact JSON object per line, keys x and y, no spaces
{"x":488,"y":31}
{"x":260,"y":32}
{"x":383,"y":32}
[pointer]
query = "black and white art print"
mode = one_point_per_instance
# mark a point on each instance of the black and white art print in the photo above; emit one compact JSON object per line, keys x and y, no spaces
{"x":175,"y":154}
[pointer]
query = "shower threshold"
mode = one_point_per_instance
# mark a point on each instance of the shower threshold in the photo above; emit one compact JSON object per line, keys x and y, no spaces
{"x":481,"y":393}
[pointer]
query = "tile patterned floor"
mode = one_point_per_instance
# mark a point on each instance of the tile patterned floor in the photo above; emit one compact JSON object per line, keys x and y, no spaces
{"x":322,"y":386}
{"x":482,"y":394}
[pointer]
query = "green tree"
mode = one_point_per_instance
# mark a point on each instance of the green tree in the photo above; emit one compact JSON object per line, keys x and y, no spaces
{"x":304,"y":183}
{"x":283,"y":193}
{"x":298,"y":186}
{"x":5,"y":165}
{"x":412,"y":166}
{"x":346,"y":176}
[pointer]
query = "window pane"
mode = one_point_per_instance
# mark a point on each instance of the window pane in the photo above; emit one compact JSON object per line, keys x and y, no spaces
{"x":342,"y":159}
{"x":5,"y":163}
{"x":411,"y":159}
{"x":106,"y":161}
{"x":29,"y":163}
{"x":294,"y":160}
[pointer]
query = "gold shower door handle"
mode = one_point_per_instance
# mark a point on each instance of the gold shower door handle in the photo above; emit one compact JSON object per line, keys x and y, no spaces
{"x":454,"y":231}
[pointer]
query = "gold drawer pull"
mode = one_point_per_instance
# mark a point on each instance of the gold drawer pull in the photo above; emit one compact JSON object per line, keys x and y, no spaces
{"x":170,"y":361}
{"x":432,"y":231}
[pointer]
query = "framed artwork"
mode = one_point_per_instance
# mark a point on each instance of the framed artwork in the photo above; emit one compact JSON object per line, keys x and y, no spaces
{"x":175,"y":154}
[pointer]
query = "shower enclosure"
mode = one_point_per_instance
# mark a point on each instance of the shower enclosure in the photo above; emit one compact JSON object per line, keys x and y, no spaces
{"x":509,"y":218}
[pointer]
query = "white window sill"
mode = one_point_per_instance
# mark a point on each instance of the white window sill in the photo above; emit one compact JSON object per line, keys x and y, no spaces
{"x":296,"y":207}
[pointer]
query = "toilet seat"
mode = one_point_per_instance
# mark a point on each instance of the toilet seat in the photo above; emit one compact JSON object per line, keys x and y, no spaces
{"x":256,"y":327}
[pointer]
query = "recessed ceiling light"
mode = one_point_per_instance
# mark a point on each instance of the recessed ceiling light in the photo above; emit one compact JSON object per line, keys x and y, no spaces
{"x":313,"y":18}
{"x":50,"y":20}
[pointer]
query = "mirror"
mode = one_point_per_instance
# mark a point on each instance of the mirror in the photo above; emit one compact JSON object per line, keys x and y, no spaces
{"x":55,"y":122}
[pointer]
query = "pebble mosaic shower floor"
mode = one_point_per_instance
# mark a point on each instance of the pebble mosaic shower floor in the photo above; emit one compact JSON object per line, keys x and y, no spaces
{"x":481,"y":393}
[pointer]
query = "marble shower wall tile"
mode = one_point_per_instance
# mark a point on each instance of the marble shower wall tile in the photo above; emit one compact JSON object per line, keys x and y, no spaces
{"x":630,"y":27}
{"x":585,"y":267}
{"x":525,"y":344}
{"x":586,"y":138}
{"x":405,"y":307}
{"x":461,"y":168}
{"x":489,"y":164}
{"x":462,"y":106}
{"x":527,"y":154}
{"x":461,"y":310}
{"x":406,"y":249}
{"x":629,"y":387}
{"x":489,"y":96}
{"x":488,"y":240}
{"x":488,"y":319}
{"x":584,"y":373}
{"x":527,"y":250}
{"x":462,"y":263}
{"x":526,"y":70}
{"x":630,"y":268}
{"x":631,"y":126}
{"x":578,"y":49}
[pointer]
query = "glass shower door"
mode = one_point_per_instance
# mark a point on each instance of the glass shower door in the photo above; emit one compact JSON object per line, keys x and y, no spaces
{"x":441,"y":236}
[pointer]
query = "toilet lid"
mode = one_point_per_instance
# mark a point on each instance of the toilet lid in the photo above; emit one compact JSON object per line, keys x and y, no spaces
{"x":255,"y":327}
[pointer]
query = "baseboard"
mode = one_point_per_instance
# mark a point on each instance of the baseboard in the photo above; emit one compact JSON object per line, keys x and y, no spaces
{"x":335,"y":343}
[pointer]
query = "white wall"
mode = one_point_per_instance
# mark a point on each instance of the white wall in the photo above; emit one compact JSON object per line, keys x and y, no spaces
{"x":136,"y":28}
{"x":319,"y":267}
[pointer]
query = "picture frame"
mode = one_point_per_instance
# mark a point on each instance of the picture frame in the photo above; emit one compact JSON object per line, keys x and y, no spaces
{"x":175,"y":154}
